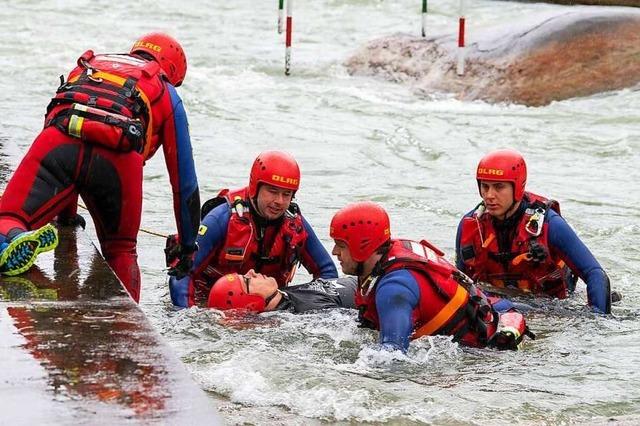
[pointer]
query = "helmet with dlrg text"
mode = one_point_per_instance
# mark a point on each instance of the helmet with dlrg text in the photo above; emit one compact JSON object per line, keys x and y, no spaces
{"x":363,"y":227}
{"x":504,"y":165}
{"x":167,"y":52}
{"x":275,"y":168}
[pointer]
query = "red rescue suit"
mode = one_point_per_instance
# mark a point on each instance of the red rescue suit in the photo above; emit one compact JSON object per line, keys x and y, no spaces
{"x":445,"y":306}
{"x":275,"y":255}
{"x":110,"y":116}
{"x":528,"y":265}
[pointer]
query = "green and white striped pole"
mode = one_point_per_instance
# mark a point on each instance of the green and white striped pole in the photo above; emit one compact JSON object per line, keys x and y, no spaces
{"x":287,"y":52}
{"x":280,"y":15}
{"x":424,"y":17}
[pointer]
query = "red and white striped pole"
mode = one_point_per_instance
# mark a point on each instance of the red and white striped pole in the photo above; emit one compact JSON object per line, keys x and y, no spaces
{"x":287,"y":52}
{"x":461,"y":24}
{"x":280,"y":15}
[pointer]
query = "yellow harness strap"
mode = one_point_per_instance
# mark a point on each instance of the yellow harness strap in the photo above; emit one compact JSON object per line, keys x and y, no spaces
{"x":75,"y":126}
{"x":445,"y":314}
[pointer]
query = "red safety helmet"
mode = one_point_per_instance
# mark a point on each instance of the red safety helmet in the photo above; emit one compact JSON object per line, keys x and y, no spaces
{"x":229,"y":293}
{"x":363,"y":226}
{"x":276,"y":168}
{"x":504,"y":165}
{"x":167,"y":52}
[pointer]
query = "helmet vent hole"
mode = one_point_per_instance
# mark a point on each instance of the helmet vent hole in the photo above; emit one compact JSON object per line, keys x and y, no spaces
{"x":230,"y":293}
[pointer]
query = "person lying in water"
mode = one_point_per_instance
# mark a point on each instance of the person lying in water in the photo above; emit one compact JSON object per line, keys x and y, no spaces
{"x":259,"y":293}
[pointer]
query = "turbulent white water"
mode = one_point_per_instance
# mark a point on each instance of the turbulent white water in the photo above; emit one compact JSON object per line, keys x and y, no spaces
{"x":362,"y":139}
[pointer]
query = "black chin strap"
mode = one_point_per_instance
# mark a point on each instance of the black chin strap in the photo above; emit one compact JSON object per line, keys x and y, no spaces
{"x":269,"y":298}
{"x":378,"y":268}
{"x":253,"y":206}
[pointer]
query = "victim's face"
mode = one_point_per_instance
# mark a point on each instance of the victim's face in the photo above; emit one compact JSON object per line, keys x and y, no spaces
{"x":259,"y":284}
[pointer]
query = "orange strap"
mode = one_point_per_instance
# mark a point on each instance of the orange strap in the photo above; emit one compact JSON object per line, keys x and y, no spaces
{"x":233,"y":257}
{"x":489,"y":240}
{"x":519,"y":258}
{"x":445,"y":314}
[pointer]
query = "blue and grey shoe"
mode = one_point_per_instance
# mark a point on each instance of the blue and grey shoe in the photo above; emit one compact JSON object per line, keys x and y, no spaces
{"x":20,"y":254}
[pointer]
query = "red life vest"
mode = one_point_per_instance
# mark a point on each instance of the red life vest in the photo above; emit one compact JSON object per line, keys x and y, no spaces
{"x":529,"y":264}
{"x":111,"y":100}
{"x":241,"y":249}
{"x":446,"y":306}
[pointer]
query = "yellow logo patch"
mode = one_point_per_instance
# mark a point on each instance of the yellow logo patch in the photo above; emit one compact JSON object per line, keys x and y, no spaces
{"x":286,"y":180}
{"x":147,"y":45}
{"x":493,"y":172}
{"x":202,"y":230}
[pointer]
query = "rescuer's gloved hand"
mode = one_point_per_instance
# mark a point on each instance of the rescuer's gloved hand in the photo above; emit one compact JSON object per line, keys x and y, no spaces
{"x":179,"y":258}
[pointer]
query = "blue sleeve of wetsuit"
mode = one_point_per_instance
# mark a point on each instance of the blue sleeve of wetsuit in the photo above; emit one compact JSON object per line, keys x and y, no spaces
{"x":314,"y":256}
{"x":575,"y":253}
{"x":502,"y":305}
{"x":182,"y":172}
{"x":179,"y":291}
{"x":397,"y":295}
{"x":459,"y":260}
{"x":213,"y":231}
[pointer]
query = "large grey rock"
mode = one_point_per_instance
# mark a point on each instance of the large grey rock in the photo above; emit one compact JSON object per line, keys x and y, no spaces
{"x":572,"y":54}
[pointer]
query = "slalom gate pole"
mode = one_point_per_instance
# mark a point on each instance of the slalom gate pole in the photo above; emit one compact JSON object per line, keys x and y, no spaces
{"x":424,"y":18}
{"x":280,"y":15}
{"x":461,"y":25}
{"x":287,"y":52}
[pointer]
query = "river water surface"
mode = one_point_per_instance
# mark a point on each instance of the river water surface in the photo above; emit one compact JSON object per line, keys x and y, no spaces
{"x":360,"y":138}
